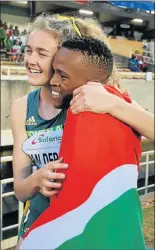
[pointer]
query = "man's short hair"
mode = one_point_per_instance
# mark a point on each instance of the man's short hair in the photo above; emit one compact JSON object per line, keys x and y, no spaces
{"x":96,"y":53}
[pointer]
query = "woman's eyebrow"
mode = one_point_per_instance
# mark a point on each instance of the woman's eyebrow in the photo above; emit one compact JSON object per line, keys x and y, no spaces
{"x":38,"y":48}
{"x":27,"y":46}
{"x":43,"y":49}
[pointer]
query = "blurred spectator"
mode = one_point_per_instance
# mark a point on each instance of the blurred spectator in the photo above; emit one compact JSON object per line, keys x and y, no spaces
{"x":16,"y":31}
{"x":16,"y":49}
{"x":5,"y":26}
{"x":16,"y":54}
{"x":142,"y":65}
{"x":133,"y":64}
{"x":24,"y":32}
{"x":12,"y":43}
{"x":151,"y":48}
{"x":145,"y":46}
{"x":12,"y":37}
{"x":137,"y":64}
{"x":8,"y":43}
{"x":10,"y":31}
{"x":2,"y":35}
{"x":23,"y":37}
{"x":113,"y":34}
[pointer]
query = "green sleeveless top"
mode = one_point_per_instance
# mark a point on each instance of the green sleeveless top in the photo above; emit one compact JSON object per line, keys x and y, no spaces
{"x":43,"y":143}
{"x":34,"y":123}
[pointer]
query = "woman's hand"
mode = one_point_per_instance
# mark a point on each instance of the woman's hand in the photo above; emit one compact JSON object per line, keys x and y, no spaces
{"x":92,"y":97}
{"x":47,"y":173}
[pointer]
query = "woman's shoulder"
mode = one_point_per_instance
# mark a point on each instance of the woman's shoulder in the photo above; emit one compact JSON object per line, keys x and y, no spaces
{"x":20,"y":101}
{"x":19,"y":106}
{"x":18,"y":114}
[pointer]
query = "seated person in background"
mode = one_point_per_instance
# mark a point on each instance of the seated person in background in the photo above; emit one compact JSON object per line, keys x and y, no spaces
{"x":142,"y":65}
{"x":10,"y":30}
{"x":16,"y":31}
{"x":8,"y":44}
{"x":16,"y":51}
{"x":5,"y":25}
{"x":133,"y":64}
{"x":23,"y":38}
{"x":2,"y":36}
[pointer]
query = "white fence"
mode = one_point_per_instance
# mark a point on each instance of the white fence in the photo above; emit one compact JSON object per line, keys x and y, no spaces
{"x":146,"y":164}
{"x":11,"y":242}
{"x":19,"y":73}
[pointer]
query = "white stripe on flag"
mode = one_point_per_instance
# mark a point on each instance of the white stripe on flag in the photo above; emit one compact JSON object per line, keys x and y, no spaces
{"x":54,"y":233}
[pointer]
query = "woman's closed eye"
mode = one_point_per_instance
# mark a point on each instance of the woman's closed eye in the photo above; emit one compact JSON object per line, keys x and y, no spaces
{"x":42,"y":55}
{"x":28,"y":51}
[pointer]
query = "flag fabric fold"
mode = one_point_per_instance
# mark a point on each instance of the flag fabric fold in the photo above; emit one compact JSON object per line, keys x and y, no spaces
{"x":98,"y":206}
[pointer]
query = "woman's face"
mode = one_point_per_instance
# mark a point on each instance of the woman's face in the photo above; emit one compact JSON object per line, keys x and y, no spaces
{"x":39,"y":52}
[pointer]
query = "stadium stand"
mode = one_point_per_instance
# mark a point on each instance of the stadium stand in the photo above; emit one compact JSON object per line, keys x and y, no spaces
{"x":12,"y":43}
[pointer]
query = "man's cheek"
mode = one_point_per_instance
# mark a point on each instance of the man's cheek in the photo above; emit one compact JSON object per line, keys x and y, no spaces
{"x":68,"y":91}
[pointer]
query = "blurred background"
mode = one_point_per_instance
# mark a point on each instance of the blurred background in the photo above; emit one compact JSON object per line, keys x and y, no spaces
{"x":129,"y":26}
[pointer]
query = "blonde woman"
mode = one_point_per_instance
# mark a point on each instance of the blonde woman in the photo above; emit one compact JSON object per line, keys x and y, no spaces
{"x":34,"y":118}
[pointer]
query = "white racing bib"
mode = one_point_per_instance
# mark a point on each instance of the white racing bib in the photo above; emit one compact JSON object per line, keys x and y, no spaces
{"x":43,"y":147}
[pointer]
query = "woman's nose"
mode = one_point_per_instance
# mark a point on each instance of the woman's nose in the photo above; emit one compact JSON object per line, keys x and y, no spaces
{"x":32,"y":59}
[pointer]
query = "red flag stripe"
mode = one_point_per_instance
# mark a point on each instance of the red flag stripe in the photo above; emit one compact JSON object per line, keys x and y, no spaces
{"x":85,"y":135}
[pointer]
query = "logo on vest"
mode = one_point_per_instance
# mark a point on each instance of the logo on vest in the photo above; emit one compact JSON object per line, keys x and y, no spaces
{"x":42,"y":138}
{"x":31,"y":121}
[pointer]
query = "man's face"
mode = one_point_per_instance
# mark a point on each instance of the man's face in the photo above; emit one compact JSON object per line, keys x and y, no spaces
{"x":70,"y":73}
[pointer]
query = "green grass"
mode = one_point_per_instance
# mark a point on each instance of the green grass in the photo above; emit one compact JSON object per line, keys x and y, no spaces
{"x":148,"y":213}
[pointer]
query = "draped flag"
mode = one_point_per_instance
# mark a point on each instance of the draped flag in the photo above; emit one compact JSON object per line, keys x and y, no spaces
{"x":98,"y":206}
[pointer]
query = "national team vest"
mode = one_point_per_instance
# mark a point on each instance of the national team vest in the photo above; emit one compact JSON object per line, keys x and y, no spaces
{"x":43,"y":143}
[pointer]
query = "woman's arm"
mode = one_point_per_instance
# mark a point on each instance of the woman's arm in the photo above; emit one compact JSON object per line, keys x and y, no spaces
{"x":93,"y":97}
{"x":25,"y":183}
{"x":135,"y":116}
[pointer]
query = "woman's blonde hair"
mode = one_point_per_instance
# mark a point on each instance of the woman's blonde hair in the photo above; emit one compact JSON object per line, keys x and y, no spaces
{"x":91,"y":27}
{"x":63,"y":29}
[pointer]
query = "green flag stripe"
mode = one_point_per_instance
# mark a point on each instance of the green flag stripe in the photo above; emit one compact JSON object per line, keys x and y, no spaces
{"x":117,"y":226}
